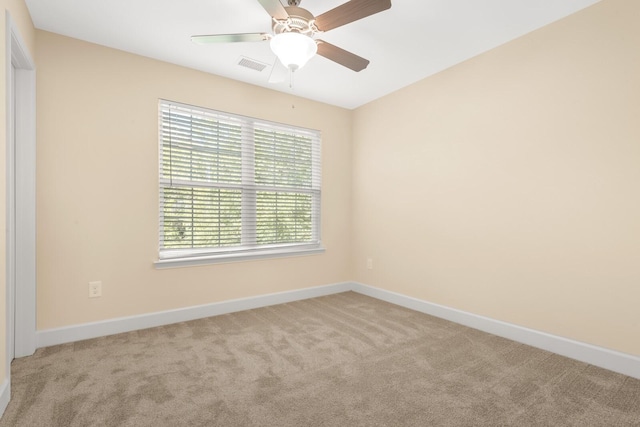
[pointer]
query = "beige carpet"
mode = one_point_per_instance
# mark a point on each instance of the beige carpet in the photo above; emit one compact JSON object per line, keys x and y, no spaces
{"x":340,"y":360}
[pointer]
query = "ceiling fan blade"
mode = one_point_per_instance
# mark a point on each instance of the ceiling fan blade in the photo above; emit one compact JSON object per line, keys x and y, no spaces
{"x":274,"y":8}
{"x":341,"y":56}
{"x":230,"y":38}
{"x":279,"y":72}
{"x":349,"y":12}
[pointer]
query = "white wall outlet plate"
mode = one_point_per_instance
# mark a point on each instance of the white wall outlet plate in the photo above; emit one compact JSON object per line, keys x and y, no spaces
{"x":95,"y":289}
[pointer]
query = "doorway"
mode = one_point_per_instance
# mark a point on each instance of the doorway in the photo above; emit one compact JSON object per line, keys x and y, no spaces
{"x":20,"y":198}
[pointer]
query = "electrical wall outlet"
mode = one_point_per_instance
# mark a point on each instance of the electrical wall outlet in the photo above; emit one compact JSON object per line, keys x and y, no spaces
{"x":95,"y":289}
{"x":369,"y":263}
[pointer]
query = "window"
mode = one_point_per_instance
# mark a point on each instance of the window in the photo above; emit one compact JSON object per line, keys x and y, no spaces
{"x":235,"y":187}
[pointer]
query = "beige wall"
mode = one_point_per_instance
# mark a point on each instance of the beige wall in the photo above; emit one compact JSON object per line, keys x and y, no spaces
{"x":509,"y":185}
{"x":97,"y":182}
{"x":22,"y":21}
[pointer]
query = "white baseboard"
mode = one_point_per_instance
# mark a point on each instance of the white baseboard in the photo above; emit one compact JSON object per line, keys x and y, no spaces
{"x":5,"y":395}
{"x":49,"y":337}
{"x":598,"y":356}
{"x":612,"y":360}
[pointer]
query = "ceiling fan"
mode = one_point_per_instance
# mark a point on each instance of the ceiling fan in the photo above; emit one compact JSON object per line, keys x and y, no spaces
{"x":294,"y":31}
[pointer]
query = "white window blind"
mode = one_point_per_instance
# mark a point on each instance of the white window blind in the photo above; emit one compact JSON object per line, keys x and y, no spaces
{"x":235,"y":185}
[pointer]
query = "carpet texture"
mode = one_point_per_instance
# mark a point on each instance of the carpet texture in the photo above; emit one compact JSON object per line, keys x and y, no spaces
{"x":339,"y":360}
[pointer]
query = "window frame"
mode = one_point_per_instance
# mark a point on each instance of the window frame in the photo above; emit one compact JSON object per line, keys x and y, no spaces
{"x":248,"y":249}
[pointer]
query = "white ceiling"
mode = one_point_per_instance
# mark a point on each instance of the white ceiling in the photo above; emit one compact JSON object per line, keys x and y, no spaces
{"x":412,"y":40}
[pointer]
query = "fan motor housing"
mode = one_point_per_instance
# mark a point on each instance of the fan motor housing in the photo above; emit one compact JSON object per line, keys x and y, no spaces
{"x":300,"y":21}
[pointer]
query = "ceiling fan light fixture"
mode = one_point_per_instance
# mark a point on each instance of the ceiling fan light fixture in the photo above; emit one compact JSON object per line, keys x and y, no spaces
{"x":293,"y":49}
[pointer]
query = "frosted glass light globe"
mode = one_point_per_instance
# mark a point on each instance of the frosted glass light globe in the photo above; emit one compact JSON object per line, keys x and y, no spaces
{"x":293,"y":49}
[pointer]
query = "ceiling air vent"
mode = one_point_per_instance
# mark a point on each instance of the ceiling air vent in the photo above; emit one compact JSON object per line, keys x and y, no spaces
{"x":251,"y":63}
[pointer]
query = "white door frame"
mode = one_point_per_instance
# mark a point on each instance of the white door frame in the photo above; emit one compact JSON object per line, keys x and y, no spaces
{"x":21,"y":200}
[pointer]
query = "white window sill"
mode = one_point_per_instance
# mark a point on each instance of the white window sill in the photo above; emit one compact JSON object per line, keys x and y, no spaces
{"x":235,"y":257}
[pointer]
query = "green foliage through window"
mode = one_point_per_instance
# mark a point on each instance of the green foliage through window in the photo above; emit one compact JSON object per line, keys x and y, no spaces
{"x":201,"y":217}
